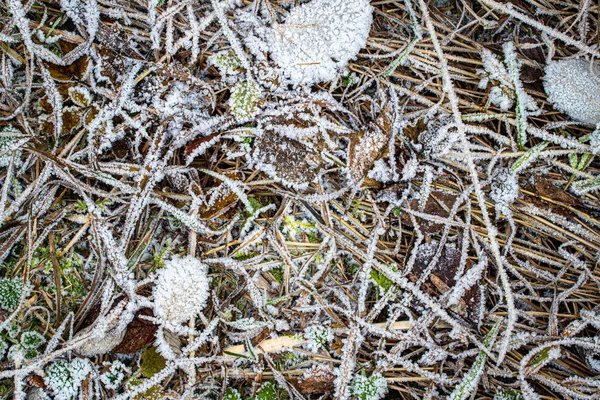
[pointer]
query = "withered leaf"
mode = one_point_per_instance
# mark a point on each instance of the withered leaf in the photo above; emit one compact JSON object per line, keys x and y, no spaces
{"x":443,"y":278}
{"x":320,"y":381}
{"x":433,"y":206}
{"x":366,"y":147}
{"x":545,"y":188}
{"x":140,"y":333}
{"x":288,"y":161}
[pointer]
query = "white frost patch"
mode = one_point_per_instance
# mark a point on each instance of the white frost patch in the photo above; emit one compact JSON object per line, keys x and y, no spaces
{"x":504,"y":187}
{"x":181,"y":289}
{"x":319,"y":38}
{"x":573,"y":87}
{"x":369,"y":388}
{"x":318,"y":336}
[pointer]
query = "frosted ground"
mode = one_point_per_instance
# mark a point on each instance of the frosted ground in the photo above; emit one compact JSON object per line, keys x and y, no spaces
{"x":279,"y":199}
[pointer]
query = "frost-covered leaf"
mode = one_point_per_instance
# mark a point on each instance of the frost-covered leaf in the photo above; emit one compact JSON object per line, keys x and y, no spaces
{"x":151,"y":363}
{"x":270,"y":391}
{"x":316,"y":380}
{"x":226,"y":62}
{"x":10,"y":139}
{"x":232,"y":394}
{"x":115,"y":375}
{"x":504,"y":187}
{"x":181,"y":289}
{"x":244,"y":100}
{"x":139,"y":333}
{"x":526,"y":159}
{"x":248,"y":324}
{"x":80,"y":96}
{"x":586,"y":185}
{"x":365,"y":148}
{"x":319,"y":38}
{"x":318,"y":337}
{"x":373,"y":387}
{"x":10,"y":292}
{"x":32,"y":340}
{"x":573,"y":87}
{"x":286,"y":160}
{"x":65,"y":378}
{"x":508,"y":394}
{"x":471,"y":379}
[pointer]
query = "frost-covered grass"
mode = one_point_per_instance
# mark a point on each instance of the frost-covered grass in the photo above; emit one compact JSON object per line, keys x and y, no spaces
{"x":312,"y":199}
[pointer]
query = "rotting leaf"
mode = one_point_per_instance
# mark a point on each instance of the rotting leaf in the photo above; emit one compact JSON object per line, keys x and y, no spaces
{"x":437,"y":205}
{"x":443,"y":278}
{"x":545,"y":188}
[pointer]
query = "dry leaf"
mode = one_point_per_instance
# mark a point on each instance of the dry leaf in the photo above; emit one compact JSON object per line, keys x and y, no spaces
{"x":140,"y":333}
{"x":287,"y":161}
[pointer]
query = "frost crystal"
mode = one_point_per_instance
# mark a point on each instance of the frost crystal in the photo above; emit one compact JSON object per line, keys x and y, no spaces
{"x":504,"y":187}
{"x":318,"y":336}
{"x":371,"y":388}
{"x":573,"y":87}
{"x":115,"y":375}
{"x":226,"y":62}
{"x":181,"y":289}
{"x":64,"y":378}
{"x":319,"y":38}
{"x":9,"y":141}
{"x":10,"y":293}
{"x":244,"y":100}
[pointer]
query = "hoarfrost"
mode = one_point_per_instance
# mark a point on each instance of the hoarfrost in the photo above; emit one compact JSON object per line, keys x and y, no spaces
{"x":181,"y":289}
{"x":319,"y":38}
{"x":573,"y":87}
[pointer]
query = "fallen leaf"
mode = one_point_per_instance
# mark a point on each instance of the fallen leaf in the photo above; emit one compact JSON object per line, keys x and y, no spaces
{"x":443,"y":278}
{"x":366,"y":147}
{"x":320,"y":381}
{"x":287,"y":161}
{"x":140,"y":333}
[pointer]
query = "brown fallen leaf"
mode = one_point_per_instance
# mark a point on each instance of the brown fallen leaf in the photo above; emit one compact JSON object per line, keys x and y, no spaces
{"x":443,"y":278}
{"x":367,"y":146}
{"x":286,"y":160}
{"x":140,"y":333}
{"x":319,"y":381}
{"x":545,"y":188}
{"x":437,"y":205}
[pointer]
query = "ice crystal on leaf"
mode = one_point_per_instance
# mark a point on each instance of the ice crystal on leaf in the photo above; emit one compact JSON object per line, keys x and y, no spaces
{"x":226,"y":62}
{"x":244,"y":100}
{"x":369,"y":388}
{"x":232,"y":394}
{"x":181,"y":289}
{"x":64,"y":377}
{"x":504,"y":187}
{"x":10,"y":139}
{"x":573,"y":87}
{"x":115,"y":375}
{"x":318,"y":336}
{"x":10,"y":293}
{"x":319,"y":38}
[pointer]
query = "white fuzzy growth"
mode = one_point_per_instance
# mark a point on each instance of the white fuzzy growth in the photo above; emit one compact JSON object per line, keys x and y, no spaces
{"x":319,"y":38}
{"x":181,"y":289}
{"x":573,"y":87}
